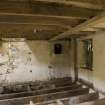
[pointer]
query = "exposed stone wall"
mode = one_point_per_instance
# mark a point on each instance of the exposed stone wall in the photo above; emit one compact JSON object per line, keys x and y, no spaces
{"x":31,"y":61}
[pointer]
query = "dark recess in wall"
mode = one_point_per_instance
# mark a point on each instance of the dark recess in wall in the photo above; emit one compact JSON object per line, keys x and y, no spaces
{"x":57,"y":48}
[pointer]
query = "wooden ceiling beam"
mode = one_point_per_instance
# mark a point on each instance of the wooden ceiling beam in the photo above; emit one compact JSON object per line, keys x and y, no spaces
{"x":76,"y":3}
{"x":88,"y":24}
{"x":50,"y":9}
{"x":31,"y":14}
{"x":29,"y":35}
{"x":45,"y":16}
{"x":39,"y":26}
{"x":38,"y":19}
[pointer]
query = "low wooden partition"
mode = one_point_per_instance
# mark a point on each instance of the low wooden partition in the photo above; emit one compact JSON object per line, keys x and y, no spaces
{"x":44,"y":97}
{"x":96,"y":102}
{"x":39,"y":92}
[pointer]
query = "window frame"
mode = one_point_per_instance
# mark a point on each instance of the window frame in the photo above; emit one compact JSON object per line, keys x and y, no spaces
{"x":88,"y":52}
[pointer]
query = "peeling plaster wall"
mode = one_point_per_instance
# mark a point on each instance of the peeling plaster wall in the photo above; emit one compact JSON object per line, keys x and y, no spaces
{"x":61,"y":63}
{"x":97,"y":76}
{"x":31,"y":61}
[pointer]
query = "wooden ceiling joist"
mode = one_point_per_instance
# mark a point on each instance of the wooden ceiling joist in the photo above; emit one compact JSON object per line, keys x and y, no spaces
{"x":23,"y":16}
{"x":50,"y":9}
{"x":38,"y":19}
{"x":35,"y":25}
{"x":76,"y":4}
{"x":45,"y":16}
{"x":88,"y":24}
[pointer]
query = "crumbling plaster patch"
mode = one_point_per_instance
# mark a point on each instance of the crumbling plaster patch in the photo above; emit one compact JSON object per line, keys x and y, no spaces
{"x":31,"y":61}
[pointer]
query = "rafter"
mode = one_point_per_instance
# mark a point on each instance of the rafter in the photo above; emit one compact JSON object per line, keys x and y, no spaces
{"x":76,"y":4}
{"x":44,"y":8}
{"x":40,"y":26}
{"x":88,"y":24}
{"x":26,"y":15}
{"x":38,"y":19}
{"x":45,"y":16}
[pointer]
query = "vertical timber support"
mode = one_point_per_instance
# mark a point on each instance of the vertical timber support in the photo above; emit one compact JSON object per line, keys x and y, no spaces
{"x":75,"y":59}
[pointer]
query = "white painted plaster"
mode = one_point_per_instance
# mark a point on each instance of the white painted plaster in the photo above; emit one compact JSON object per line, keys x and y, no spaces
{"x":97,"y":76}
{"x":31,"y":61}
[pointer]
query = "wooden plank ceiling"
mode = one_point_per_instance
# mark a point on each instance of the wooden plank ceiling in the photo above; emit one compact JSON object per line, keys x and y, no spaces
{"x":49,"y":19}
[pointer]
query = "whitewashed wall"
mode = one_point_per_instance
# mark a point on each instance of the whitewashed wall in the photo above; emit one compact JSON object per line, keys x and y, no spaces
{"x":97,"y":76}
{"x":32,"y":60}
{"x":61,"y":63}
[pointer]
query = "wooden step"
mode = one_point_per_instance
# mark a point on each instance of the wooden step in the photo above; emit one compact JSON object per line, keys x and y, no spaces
{"x":45,"y":97}
{"x":39,"y":92}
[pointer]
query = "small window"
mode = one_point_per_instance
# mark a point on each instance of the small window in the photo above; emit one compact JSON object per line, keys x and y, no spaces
{"x":57,"y":48}
{"x":88,"y":54}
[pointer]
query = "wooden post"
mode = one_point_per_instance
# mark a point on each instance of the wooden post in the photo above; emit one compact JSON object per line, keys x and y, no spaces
{"x":75,"y":59}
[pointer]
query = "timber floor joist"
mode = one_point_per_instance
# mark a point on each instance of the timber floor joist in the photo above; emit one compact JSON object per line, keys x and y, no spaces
{"x":62,"y":94}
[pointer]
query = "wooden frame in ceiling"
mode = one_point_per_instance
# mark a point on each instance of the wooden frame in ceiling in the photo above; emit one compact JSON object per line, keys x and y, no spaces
{"x":46,"y":15}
